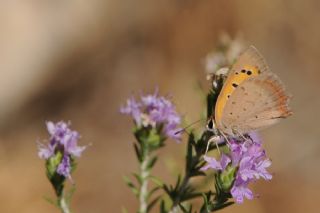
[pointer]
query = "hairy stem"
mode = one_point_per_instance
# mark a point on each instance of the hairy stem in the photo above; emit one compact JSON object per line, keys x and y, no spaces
{"x":144,"y":174}
{"x":64,"y":205}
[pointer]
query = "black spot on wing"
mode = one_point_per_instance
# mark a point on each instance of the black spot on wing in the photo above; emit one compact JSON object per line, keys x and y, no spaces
{"x":257,"y":68}
{"x":234,"y":85}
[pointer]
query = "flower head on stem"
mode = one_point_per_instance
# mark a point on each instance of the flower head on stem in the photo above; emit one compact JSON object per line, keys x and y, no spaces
{"x":64,"y":141}
{"x":245,"y":162}
{"x":155,"y":119}
{"x":60,"y":154}
{"x":156,"y":112}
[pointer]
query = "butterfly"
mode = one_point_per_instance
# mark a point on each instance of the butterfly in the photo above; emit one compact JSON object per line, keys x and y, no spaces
{"x":251,"y":98}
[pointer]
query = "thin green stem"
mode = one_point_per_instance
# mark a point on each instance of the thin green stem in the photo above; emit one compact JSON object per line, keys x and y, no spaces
{"x":144,"y":174}
{"x":64,"y":207}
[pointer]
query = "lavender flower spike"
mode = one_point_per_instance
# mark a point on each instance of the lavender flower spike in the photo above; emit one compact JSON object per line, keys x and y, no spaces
{"x":248,"y":158}
{"x":62,"y":140}
{"x":155,"y":111}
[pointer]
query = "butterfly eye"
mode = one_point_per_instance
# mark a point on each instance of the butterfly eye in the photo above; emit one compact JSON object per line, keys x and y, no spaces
{"x":210,"y":124}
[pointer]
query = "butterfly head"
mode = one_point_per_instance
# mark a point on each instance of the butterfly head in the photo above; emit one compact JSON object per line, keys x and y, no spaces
{"x":211,"y":125}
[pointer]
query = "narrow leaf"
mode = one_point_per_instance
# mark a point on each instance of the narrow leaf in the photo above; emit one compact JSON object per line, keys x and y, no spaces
{"x":184,"y":210}
{"x":222,"y":206}
{"x":189,"y":153}
{"x":153,"y":191}
{"x":190,"y":196}
{"x":70,"y":194}
{"x":131,"y":185}
{"x":51,"y":201}
{"x":162,"y":207}
{"x":138,"y":152}
{"x":138,"y":178}
{"x":152,"y":162}
{"x":152,"y":203}
{"x":156,"y":181}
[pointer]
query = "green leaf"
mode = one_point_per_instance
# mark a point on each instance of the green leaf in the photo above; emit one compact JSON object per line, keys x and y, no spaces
{"x":197,"y":173}
{"x":190,"y":196}
{"x":152,"y":162}
{"x":162,"y":207}
{"x":222,"y":206}
{"x":70,"y":194}
{"x":52,"y":164}
{"x":226,"y":178}
{"x":131,"y":186}
{"x":56,"y":180}
{"x":51,"y":201}
{"x":153,"y":191}
{"x":184,"y":210}
{"x":138,"y":152}
{"x":189,"y":157}
{"x":166,"y":189}
{"x":207,"y":204}
{"x":153,"y":139}
{"x":177,"y":183}
{"x":156,"y":181}
{"x":152,"y":203}
{"x":138,"y":178}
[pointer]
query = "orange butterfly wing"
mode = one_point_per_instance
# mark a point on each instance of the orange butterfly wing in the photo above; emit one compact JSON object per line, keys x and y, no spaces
{"x":249,"y":64}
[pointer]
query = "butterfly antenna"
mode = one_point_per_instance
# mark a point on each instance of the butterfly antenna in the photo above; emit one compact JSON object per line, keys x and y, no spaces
{"x":185,"y":128}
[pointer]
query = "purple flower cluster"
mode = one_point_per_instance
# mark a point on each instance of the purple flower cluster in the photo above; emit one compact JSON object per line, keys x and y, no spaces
{"x":251,"y":162}
{"x":154,"y":110}
{"x":64,"y":140}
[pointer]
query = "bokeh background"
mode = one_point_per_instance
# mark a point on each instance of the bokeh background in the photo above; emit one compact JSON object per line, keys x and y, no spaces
{"x":79,"y":60}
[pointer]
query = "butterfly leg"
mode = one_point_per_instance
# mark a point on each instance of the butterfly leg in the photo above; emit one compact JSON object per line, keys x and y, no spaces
{"x":242,"y":136}
{"x":225,"y":137}
{"x":214,"y":139}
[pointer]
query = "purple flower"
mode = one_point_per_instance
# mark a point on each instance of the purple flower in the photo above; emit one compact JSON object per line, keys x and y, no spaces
{"x":250,"y":160}
{"x":154,"y":110}
{"x":64,"y":167}
{"x":217,"y":165}
{"x":240,"y":190}
{"x":63,"y":140}
{"x":132,"y":108}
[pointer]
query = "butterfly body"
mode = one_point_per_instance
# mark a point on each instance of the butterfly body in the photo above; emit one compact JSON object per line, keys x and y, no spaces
{"x":251,"y":98}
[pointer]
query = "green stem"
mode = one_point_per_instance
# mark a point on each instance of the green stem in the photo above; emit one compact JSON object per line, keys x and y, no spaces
{"x":175,"y":206}
{"x":64,"y":205}
{"x":144,"y":174}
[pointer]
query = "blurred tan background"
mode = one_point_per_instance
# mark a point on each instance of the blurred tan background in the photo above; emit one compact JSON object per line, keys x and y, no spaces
{"x":79,"y":60}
